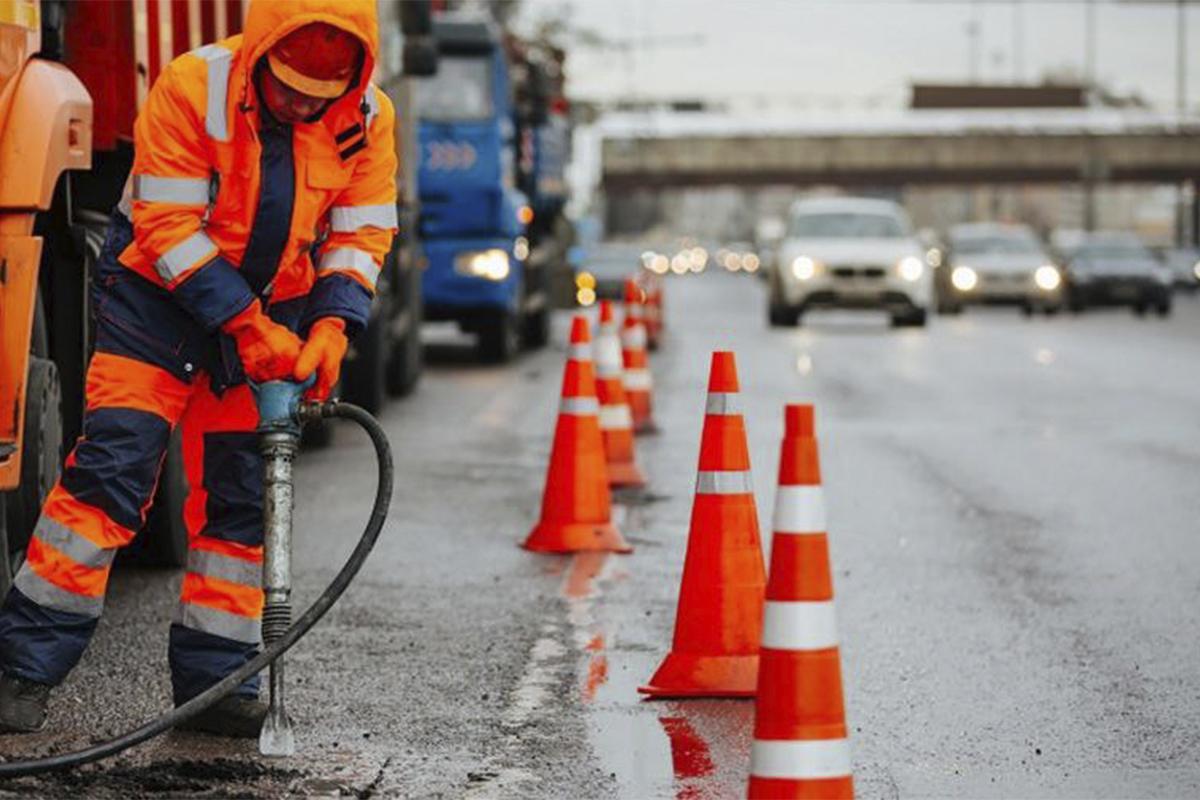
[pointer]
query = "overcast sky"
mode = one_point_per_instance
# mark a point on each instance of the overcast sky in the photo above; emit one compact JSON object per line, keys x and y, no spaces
{"x":850,"y":54}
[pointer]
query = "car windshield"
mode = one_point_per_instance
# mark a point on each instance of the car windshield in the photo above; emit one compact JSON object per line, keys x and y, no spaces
{"x":459,"y":92}
{"x":846,"y":225}
{"x":1010,"y":244}
{"x":1112,"y":250}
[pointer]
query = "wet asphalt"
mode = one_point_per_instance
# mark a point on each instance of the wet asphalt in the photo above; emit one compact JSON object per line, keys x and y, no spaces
{"x":1013,"y":513}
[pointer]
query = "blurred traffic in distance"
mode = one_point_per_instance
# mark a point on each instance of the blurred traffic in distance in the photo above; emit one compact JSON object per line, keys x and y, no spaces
{"x":1060,"y":176}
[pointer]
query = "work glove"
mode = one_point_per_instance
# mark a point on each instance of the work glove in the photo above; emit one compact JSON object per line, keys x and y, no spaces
{"x":323,"y":352}
{"x":268,"y":350}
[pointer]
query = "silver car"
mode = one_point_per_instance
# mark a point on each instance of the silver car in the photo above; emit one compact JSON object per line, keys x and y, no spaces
{"x":995,"y":264}
{"x":850,"y":252}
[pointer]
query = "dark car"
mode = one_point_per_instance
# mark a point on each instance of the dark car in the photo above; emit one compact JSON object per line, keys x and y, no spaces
{"x":1184,"y":266}
{"x":1115,"y":269}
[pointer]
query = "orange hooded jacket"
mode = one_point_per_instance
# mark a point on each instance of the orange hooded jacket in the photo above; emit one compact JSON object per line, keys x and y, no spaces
{"x":194,"y":191}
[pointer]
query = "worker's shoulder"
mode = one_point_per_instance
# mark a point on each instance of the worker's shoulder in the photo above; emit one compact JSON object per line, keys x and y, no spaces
{"x":385,"y":110}
{"x":210,"y":61}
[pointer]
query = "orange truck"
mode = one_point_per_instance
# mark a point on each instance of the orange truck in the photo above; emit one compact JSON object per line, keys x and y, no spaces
{"x":72,"y":77}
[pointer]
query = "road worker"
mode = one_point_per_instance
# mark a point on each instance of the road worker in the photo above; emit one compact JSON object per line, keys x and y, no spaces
{"x":256,"y":219}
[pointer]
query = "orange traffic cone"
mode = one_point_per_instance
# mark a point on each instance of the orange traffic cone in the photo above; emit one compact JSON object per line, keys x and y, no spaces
{"x":719,"y":617}
{"x":576,"y":506}
{"x":639,"y":385}
{"x":800,"y":747}
{"x":616,"y":421}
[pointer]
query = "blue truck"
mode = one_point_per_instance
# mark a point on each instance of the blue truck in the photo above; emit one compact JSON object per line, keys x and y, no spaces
{"x":493,"y":150}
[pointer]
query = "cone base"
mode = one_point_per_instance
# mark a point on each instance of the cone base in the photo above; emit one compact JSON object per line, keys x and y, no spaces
{"x":575,"y":537}
{"x":625,"y":475}
{"x":690,"y":675}
{"x":811,"y":789}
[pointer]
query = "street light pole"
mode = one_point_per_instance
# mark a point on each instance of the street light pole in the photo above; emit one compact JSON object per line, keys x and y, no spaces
{"x":1181,"y":194}
{"x":1089,"y":46}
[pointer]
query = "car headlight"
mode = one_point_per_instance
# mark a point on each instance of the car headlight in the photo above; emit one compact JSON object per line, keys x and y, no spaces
{"x":804,"y":268}
{"x":1196,"y":270}
{"x":490,"y":264}
{"x":910,"y":268}
{"x":964,"y":279}
{"x":1047,"y":278}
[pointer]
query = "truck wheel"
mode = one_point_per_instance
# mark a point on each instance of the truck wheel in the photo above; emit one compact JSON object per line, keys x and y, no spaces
{"x":163,"y":540}
{"x":405,"y":365}
{"x":499,"y":337}
{"x":364,"y":381}
{"x":535,"y":329}
{"x":42,"y":456}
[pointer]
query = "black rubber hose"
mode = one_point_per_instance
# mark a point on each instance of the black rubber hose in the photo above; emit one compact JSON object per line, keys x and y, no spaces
{"x":383,"y":498}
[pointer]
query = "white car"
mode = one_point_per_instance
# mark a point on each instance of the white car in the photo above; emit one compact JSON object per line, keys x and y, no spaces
{"x":850,"y":252}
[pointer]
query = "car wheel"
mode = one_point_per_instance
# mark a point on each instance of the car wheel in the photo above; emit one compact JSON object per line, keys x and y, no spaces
{"x":1051,"y":311}
{"x":1163,"y":309}
{"x":1027,"y":309}
{"x":913,"y":318}
{"x":782,"y":316}
{"x":1139,"y":310}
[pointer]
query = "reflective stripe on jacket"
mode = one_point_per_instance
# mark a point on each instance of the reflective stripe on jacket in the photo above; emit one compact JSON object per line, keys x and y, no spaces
{"x":196,"y":176}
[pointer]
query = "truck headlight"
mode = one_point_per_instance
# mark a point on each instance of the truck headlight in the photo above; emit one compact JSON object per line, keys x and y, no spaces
{"x":964,"y":279}
{"x":490,"y":264}
{"x":910,"y":268}
{"x":1047,"y":278}
{"x":804,"y":268}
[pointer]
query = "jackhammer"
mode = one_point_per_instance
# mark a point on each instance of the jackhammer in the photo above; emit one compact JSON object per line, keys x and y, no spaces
{"x":281,"y":418}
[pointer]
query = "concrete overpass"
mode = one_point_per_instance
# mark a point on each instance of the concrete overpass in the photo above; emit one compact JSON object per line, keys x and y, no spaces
{"x":906,"y":148}
{"x":642,"y":155}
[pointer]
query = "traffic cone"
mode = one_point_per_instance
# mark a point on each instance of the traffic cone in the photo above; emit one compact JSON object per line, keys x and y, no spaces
{"x":616,"y":421}
{"x":800,"y":747}
{"x":639,"y":385}
{"x":576,"y":506}
{"x":719,"y":617}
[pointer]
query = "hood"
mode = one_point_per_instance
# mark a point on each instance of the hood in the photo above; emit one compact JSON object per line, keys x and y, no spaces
{"x":1002,"y":262}
{"x":268,"y":21}
{"x":852,"y":252}
{"x":1114,"y":267}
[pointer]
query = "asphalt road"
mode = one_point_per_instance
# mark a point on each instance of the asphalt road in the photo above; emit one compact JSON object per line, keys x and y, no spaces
{"x":1013,"y":513}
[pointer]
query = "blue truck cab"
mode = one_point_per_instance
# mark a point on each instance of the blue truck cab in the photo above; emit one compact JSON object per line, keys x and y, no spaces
{"x":474,"y":214}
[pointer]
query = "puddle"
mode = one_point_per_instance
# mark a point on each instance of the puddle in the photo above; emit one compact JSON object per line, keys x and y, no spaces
{"x":650,"y":749}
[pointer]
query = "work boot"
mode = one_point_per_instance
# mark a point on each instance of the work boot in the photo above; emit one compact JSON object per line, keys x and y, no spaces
{"x":22,"y":704}
{"x":236,"y":717}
